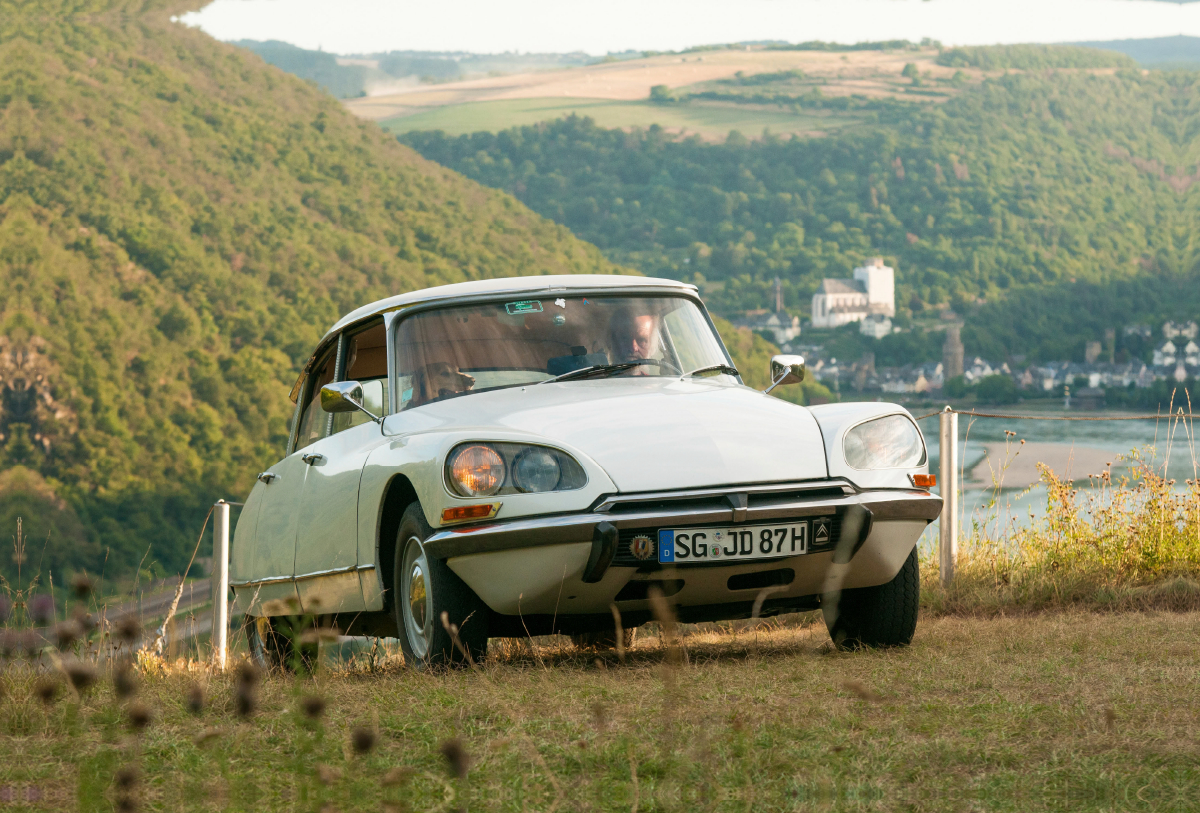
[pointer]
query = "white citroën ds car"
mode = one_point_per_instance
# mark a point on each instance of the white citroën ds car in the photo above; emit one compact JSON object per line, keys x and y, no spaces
{"x":519,"y":456}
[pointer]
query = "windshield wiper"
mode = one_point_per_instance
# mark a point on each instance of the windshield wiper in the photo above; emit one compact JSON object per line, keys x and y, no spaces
{"x":598,"y":370}
{"x":713,"y":369}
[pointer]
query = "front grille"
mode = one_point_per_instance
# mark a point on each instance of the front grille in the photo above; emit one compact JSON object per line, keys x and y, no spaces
{"x":720,"y":502}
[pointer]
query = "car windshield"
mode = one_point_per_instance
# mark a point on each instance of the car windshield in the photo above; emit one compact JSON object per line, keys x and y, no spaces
{"x":472,"y":348}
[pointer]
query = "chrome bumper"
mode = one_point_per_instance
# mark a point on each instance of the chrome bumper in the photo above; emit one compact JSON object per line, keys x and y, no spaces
{"x":747,"y":504}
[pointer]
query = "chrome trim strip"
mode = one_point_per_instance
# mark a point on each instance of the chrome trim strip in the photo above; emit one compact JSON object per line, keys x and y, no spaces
{"x":573,"y":528}
{"x":303,"y":577}
{"x":727,"y":491}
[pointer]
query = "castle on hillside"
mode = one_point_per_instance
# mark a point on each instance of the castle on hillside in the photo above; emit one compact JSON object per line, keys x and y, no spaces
{"x":872,"y":293}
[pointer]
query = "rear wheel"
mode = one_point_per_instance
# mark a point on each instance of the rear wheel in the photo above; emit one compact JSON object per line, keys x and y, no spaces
{"x":877,"y":616}
{"x":423,"y":589}
{"x":272,"y":644}
{"x":604,"y":639}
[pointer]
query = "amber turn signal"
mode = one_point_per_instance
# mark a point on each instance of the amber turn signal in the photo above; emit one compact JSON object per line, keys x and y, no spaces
{"x":464,"y":512}
{"x":924,"y":480}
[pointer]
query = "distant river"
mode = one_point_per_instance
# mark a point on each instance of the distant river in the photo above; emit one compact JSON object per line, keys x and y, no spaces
{"x":1072,"y":449}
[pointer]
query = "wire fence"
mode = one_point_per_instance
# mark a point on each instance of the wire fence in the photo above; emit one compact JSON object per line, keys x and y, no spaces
{"x":1180,"y":415}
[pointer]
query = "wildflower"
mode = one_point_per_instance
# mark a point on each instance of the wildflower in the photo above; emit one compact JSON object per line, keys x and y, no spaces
{"x":41,"y":609}
{"x":456,"y":757}
{"x":243,"y":700}
{"x":81,"y":585}
{"x":194,"y":698}
{"x":599,"y":716}
{"x":82,"y":675}
{"x":247,"y":674}
{"x":127,"y":777}
{"x":312,"y":706}
{"x":67,"y":633}
{"x":363,"y":739}
{"x":128,"y":629}
{"x":124,"y":680}
{"x":46,"y":690}
{"x":859,"y":688}
{"x":139,"y":716}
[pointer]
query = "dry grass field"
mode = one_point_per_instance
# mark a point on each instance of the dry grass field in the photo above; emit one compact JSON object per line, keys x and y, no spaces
{"x":1067,"y":711}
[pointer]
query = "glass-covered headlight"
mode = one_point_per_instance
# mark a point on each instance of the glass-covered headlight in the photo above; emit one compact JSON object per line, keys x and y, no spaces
{"x":891,"y":442}
{"x":476,"y":470}
{"x":536,"y":469}
{"x":490,"y":469}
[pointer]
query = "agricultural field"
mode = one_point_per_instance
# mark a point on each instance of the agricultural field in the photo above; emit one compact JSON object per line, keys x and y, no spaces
{"x":709,"y":120}
{"x":617,"y":94}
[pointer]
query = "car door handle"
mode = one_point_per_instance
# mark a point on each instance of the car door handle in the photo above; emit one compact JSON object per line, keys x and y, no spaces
{"x":312,"y":459}
{"x":268,"y":476}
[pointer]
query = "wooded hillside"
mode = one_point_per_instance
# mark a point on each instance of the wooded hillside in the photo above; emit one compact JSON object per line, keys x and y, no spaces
{"x":179,"y":223}
{"x":1013,"y":191}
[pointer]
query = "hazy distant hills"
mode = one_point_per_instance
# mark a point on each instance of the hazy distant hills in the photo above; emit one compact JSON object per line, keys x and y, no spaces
{"x":1159,"y":52}
{"x":355,"y":75}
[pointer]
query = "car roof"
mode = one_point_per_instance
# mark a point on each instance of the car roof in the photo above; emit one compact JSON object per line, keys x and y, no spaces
{"x":522,"y":286}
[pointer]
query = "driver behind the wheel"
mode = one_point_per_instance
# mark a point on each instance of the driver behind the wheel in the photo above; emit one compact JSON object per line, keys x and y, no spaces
{"x":635,"y":336}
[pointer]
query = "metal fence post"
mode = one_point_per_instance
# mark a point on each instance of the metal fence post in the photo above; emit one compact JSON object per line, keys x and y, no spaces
{"x":220,"y":583}
{"x":948,"y":477}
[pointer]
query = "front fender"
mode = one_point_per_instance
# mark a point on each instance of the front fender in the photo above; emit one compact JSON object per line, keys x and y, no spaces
{"x":420,"y":458}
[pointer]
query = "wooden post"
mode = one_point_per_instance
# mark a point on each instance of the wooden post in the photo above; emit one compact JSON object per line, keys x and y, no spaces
{"x":220,"y":584}
{"x":948,"y":478}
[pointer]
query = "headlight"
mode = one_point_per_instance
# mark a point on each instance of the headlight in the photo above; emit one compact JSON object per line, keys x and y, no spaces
{"x":488,"y":469}
{"x":892,"y":442}
{"x":536,"y":470}
{"x":476,"y":470}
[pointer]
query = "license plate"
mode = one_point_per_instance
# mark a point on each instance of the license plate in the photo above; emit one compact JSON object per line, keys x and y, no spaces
{"x":733,"y":544}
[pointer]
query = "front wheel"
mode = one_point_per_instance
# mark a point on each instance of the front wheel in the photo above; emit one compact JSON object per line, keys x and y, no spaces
{"x":877,"y":616}
{"x":423,"y":589}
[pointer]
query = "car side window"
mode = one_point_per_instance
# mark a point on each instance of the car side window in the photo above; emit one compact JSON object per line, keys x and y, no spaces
{"x":366,"y":363}
{"x":313,"y":419}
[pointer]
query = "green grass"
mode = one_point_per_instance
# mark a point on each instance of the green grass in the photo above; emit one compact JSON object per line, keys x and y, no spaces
{"x":1069,"y":711}
{"x":707,"y":120}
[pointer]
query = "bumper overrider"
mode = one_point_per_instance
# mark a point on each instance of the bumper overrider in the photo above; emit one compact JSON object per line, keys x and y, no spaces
{"x":580,"y":564}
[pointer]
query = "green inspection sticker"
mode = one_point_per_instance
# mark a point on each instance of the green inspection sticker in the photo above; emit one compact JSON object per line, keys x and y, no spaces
{"x":528,"y":306}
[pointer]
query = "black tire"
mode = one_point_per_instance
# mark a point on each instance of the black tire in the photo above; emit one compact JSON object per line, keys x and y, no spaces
{"x":880,"y":616}
{"x":418,"y":602}
{"x":604,"y":639}
{"x":272,"y":646}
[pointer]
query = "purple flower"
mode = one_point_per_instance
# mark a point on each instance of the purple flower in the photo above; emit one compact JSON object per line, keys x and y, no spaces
{"x":41,"y":609}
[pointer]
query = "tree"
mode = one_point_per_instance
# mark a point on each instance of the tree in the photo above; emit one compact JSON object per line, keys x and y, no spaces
{"x":661,"y":94}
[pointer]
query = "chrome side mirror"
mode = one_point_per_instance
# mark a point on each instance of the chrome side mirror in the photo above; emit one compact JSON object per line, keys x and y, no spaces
{"x":786,"y":370}
{"x":345,"y":396}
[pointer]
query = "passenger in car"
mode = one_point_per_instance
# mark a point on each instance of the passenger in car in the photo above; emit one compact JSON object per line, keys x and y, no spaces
{"x":438,"y":379}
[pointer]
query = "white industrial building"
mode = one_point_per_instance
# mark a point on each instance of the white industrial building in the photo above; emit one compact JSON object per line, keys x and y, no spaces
{"x":842,"y":301}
